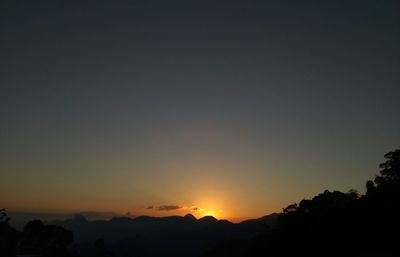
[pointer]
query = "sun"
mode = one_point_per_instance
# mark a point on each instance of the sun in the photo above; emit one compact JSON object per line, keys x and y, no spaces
{"x":207,"y":209}
{"x":209,"y":213}
{"x":201,"y":212}
{"x":212,"y":212}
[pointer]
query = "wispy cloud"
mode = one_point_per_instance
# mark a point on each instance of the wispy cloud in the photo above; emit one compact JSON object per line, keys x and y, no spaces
{"x":196,"y":208}
{"x":168,"y":207}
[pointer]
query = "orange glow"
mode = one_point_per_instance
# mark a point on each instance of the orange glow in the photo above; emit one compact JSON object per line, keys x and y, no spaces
{"x":211,"y":212}
{"x":200,"y":212}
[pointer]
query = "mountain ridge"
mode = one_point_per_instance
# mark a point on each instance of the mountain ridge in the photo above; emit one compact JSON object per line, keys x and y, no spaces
{"x":128,"y":236}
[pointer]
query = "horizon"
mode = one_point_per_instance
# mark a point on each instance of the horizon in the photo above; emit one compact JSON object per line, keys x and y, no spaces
{"x":20,"y":218}
{"x":23,"y":216}
{"x":230,"y":109}
{"x":95,"y":216}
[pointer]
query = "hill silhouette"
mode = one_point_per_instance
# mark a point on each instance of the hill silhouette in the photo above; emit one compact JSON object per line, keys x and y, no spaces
{"x":161,"y":236}
{"x":332,"y":223}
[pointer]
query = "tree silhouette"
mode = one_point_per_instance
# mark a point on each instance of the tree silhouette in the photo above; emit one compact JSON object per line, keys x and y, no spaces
{"x":334,"y":223}
{"x":371,"y":188}
{"x":43,"y":240}
{"x":8,"y":236}
{"x":291,"y":208}
{"x":3,"y":216}
{"x":390,"y":169}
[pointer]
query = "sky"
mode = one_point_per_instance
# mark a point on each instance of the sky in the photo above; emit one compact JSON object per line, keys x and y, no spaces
{"x":227,"y":108}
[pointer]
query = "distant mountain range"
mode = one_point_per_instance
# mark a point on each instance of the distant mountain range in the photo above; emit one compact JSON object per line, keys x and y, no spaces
{"x":162,"y":236}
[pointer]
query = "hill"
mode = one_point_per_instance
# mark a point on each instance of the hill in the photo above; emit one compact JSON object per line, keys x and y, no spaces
{"x":162,"y":236}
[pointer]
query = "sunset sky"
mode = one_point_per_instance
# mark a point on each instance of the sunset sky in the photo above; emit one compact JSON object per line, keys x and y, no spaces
{"x":226,"y":108}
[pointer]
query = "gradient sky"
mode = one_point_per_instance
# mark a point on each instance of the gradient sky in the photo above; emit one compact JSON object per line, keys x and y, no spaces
{"x":235,"y":107}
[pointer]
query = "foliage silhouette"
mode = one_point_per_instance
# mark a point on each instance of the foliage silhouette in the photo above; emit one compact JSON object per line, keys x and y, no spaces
{"x":8,"y":236}
{"x":3,"y":216}
{"x":390,"y":168}
{"x":36,"y":239}
{"x":334,"y":223}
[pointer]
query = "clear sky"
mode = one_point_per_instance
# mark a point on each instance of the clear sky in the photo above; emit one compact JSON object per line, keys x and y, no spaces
{"x":236,"y":108}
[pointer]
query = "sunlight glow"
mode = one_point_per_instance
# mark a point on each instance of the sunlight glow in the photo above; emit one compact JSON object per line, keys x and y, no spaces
{"x":210,"y":213}
{"x":200,"y":212}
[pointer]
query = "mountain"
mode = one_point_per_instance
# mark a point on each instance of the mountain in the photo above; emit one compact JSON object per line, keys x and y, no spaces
{"x":189,"y":217}
{"x":208,"y":219}
{"x":267,"y":220}
{"x":161,"y":236}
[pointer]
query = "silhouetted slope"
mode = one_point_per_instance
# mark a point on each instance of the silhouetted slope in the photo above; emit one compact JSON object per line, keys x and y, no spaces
{"x":333,"y":223}
{"x":267,"y":220}
{"x":189,"y":217}
{"x":162,"y":236}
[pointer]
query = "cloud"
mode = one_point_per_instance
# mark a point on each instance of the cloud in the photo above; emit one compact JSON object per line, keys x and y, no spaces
{"x":196,"y":208}
{"x":168,"y":207}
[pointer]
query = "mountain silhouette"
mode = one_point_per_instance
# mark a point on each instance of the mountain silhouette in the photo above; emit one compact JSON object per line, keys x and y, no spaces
{"x":331,"y":223}
{"x":189,"y":217}
{"x":160,"y":236}
{"x":208,"y":219}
